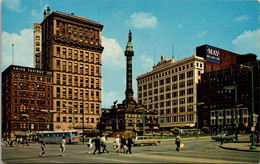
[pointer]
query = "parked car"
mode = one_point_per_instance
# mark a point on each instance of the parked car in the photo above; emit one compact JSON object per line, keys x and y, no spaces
{"x":226,"y":137}
{"x":145,"y":140}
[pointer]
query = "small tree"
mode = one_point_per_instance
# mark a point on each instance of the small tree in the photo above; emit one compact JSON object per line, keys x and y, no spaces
{"x":206,"y":130}
{"x":95,"y":132}
{"x":175,"y":131}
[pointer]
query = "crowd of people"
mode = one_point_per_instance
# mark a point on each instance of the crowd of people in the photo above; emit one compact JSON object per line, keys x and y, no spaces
{"x":17,"y":141}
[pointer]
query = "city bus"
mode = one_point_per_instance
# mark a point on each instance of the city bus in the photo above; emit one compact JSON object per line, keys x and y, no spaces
{"x":56,"y":137}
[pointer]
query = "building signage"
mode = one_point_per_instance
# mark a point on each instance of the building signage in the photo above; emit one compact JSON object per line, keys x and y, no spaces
{"x":213,"y":54}
{"x":31,"y":70}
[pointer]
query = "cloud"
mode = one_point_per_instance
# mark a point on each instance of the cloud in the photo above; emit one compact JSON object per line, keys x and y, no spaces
{"x":113,"y":54}
{"x":108,"y":98}
{"x":14,"y":5}
{"x":248,"y":42}
{"x":179,"y":25}
{"x":147,"y":62}
{"x":144,"y":20}
{"x":258,"y":17}
{"x":202,"y":33}
{"x":241,"y":18}
{"x":23,"y":48}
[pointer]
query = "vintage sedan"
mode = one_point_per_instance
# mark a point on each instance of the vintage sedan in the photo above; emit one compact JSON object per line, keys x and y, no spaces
{"x":226,"y":137}
{"x":145,"y":140}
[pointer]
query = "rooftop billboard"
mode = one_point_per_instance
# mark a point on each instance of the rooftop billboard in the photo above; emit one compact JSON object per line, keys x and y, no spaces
{"x":213,"y":54}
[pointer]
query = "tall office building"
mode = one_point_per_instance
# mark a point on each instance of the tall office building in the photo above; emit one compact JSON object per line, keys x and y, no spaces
{"x":171,"y":89}
{"x":37,"y":46}
{"x":71,"y":47}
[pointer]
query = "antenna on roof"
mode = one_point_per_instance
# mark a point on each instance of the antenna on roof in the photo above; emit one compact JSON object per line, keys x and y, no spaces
{"x":172,"y":50}
{"x":12,"y":54}
{"x":153,"y":58}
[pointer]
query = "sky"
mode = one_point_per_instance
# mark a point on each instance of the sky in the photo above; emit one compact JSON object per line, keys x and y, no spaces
{"x":171,"y":27}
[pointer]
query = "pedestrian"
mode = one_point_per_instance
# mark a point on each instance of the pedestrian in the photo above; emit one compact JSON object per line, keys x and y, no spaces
{"x":178,"y":142}
{"x":43,"y":146}
{"x":114,"y":144}
{"x":117,"y":141}
{"x":104,"y":143}
{"x":90,"y":145}
{"x":221,"y":139}
{"x":123,"y":144}
{"x":63,"y":146}
{"x":153,"y":134}
{"x":129,"y":144}
{"x":7,"y":142}
{"x":97,"y":145}
{"x":26,"y":141}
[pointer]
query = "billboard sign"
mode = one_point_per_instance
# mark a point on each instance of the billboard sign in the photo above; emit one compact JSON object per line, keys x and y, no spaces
{"x":213,"y":54}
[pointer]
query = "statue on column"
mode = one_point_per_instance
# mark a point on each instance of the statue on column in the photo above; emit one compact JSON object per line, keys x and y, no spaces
{"x":130,"y":36}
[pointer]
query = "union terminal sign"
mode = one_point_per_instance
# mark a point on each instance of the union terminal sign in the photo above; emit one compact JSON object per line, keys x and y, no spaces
{"x":213,"y":54}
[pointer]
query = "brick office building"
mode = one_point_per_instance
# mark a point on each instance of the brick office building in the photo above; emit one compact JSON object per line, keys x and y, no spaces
{"x":25,"y":93}
{"x":71,"y":47}
{"x":218,"y":110}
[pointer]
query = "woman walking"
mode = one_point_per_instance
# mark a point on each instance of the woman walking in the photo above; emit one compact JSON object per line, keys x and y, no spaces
{"x":90,"y":145}
{"x":178,"y":142}
{"x":63,"y":146}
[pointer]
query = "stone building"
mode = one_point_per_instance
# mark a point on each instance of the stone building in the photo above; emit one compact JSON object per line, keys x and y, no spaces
{"x":26,"y":93}
{"x":128,"y":116}
{"x":170,"y":88}
{"x":71,"y":48}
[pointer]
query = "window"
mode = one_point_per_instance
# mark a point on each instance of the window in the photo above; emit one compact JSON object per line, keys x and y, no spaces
{"x":182,"y":76}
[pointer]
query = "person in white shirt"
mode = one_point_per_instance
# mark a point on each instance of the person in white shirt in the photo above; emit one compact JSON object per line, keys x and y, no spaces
{"x":117,"y":140}
{"x":104,"y":143}
{"x":63,"y":146}
{"x":90,"y":145}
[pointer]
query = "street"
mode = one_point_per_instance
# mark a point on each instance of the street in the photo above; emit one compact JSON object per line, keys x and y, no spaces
{"x":202,"y":150}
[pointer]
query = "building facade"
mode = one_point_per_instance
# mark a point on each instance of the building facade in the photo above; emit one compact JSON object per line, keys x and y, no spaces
{"x":218,"y":111}
{"x":170,"y":88}
{"x":37,"y":46}
{"x":26,"y":95}
{"x":71,"y":48}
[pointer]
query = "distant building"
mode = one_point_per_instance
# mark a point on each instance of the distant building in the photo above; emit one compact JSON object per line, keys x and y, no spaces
{"x":216,"y":58}
{"x":170,"y":88}
{"x":37,"y":46}
{"x":25,"y":93}
{"x":71,"y":47}
{"x":218,"y":110}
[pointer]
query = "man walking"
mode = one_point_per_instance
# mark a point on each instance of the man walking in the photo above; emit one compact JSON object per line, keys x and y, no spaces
{"x":104,"y":143}
{"x":43,"y":146}
{"x":129,"y":144}
{"x":123,"y":144}
{"x":97,"y":145}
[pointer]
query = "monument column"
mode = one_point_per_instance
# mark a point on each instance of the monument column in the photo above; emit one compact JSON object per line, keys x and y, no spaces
{"x":129,"y":52}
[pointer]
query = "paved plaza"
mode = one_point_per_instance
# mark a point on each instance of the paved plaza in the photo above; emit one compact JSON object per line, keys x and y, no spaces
{"x":202,"y":150}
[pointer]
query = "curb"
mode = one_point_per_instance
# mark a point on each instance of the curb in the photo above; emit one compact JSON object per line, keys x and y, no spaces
{"x":230,"y":148}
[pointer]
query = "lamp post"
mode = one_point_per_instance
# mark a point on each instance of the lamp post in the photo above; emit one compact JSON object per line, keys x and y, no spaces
{"x":145,"y":102}
{"x":197,"y":119}
{"x":251,"y":69}
{"x":49,"y":111}
{"x":28,"y":117}
{"x":236,"y":120}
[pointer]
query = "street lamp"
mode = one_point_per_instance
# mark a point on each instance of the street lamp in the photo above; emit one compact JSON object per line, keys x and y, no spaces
{"x":253,"y":104}
{"x":197,"y":118}
{"x":145,"y":102}
{"x":230,"y":88}
{"x":49,"y":111}
{"x":28,"y":117}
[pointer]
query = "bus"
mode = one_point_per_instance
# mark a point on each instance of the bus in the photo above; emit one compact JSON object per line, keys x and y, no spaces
{"x":56,"y":137}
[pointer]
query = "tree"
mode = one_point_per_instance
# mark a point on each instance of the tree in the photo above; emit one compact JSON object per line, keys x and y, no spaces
{"x":95,"y":132}
{"x":206,"y":130}
{"x":175,"y":131}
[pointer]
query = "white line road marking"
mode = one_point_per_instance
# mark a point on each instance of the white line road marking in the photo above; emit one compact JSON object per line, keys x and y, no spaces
{"x":56,"y":161}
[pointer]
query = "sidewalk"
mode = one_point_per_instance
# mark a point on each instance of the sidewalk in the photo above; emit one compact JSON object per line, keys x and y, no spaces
{"x":240,"y":147}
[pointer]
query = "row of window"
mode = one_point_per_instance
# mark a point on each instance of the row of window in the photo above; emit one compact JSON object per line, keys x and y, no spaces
{"x":68,"y":53}
{"x":229,"y":121}
{"x":68,"y":107}
{"x":32,"y":77}
{"x":75,"y":67}
{"x":190,"y":65}
{"x":180,"y":118}
{"x":70,"y":93}
{"x":77,"y":119}
{"x":24,"y":126}
{"x":36,"y":102}
{"x":78,"y":81}
{"x":175,"y":110}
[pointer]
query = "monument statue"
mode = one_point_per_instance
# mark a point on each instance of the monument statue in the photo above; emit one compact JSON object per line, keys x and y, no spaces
{"x":130,"y":36}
